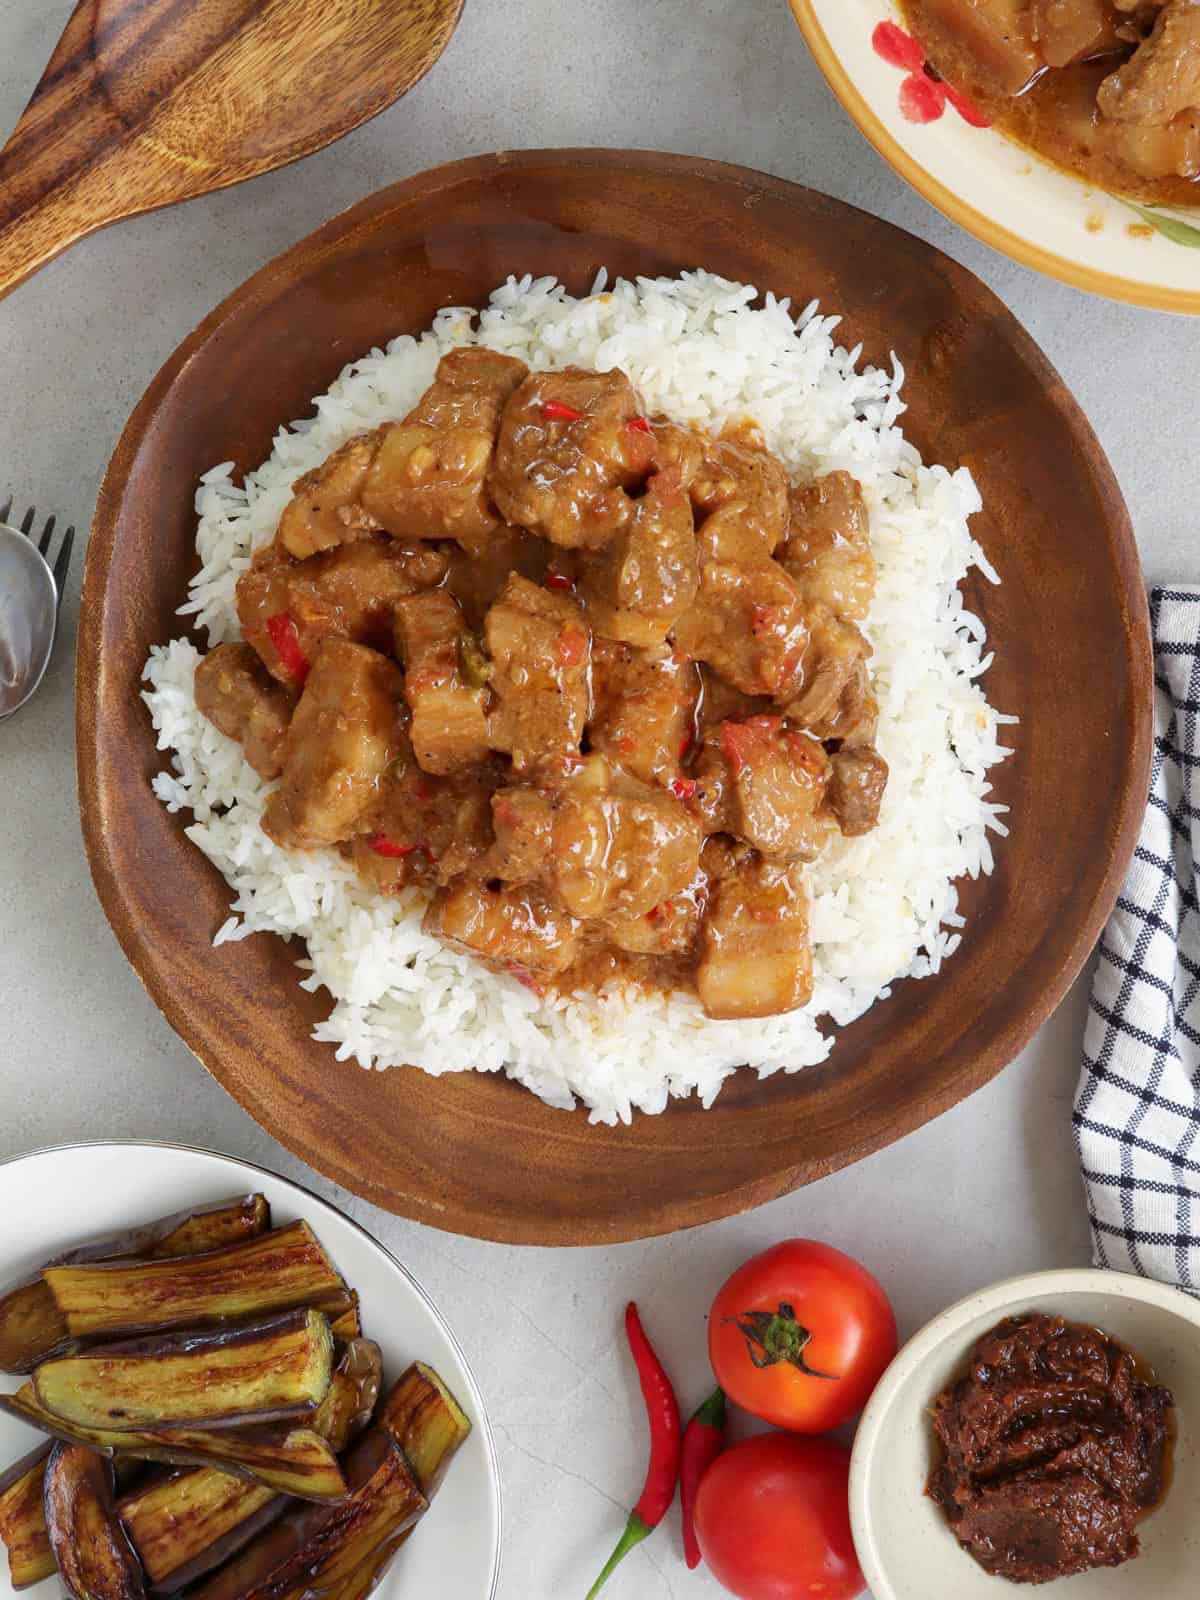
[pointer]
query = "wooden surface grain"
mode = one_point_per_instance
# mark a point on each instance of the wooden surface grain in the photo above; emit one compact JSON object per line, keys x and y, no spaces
{"x":474,"y":1153}
{"x":147,"y":102}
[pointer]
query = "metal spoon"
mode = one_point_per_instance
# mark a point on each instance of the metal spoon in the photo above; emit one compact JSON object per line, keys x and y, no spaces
{"x":28,"y":618}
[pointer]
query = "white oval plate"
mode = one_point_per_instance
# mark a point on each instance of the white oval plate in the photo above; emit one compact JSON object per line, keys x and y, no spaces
{"x":54,"y":1198}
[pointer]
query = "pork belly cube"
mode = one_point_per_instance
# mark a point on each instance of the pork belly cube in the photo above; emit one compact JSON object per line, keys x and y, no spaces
{"x":857,"y":784}
{"x":325,"y":508}
{"x":827,"y":553}
{"x":514,"y":930}
{"x":765,"y":782}
{"x":836,"y":699}
{"x":237,"y":694}
{"x":420,"y":828}
{"x":755,"y":953}
{"x":1066,"y":31}
{"x":1161,"y":80}
{"x":648,"y":574}
{"x":428,"y":477}
{"x":670,"y":928}
{"x":540,"y":647}
{"x":345,"y":732}
{"x":748,"y":624}
{"x":644,"y":706}
{"x":997,"y":34}
{"x":449,"y":727}
{"x":349,"y":592}
{"x":523,"y":824}
{"x":741,"y":497}
{"x":567,"y":454}
{"x":621,"y":848}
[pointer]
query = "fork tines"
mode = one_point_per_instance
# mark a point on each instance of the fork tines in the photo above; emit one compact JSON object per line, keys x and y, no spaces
{"x":63,"y":559}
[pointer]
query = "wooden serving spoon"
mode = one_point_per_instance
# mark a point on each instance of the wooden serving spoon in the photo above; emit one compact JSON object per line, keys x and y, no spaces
{"x":146,"y":102}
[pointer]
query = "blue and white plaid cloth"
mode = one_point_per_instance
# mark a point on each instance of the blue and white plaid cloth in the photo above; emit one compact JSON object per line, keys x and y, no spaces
{"x":1137,"y":1109}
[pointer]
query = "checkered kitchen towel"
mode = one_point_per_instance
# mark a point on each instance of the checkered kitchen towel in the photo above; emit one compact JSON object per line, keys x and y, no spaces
{"x":1137,"y":1109}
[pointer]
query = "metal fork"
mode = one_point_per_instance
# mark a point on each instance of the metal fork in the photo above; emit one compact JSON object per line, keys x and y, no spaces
{"x":31,"y":592}
{"x":62,"y":560}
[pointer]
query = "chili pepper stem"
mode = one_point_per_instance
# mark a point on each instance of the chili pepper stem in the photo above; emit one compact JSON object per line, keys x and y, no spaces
{"x":635,"y":1531}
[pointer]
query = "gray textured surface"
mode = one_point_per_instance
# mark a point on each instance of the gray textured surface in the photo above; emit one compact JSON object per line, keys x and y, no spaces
{"x":988,"y":1190}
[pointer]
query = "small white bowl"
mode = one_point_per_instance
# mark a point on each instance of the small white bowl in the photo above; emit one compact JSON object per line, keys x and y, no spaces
{"x":903,"y":1539}
{"x":1002,"y":193}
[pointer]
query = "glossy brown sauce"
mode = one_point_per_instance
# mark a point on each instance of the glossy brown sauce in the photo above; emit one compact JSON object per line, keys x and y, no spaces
{"x":1056,"y":116}
{"x":1051,"y":1447}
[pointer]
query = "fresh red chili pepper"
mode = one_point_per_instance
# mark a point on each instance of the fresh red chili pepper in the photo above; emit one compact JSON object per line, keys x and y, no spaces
{"x":662,"y":1414}
{"x":556,"y":411}
{"x":383,"y":846}
{"x":285,"y":636}
{"x":558,"y":580}
{"x":683,"y":788}
{"x":639,"y":425}
{"x":703,"y":1441}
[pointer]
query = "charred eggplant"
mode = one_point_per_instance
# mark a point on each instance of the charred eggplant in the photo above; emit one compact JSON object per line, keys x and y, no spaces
{"x":426,"y":1421}
{"x":316,"y":1549}
{"x":345,"y":1319}
{"x":353,"y":1392}
{"x":270,"y":1272}
{"x":295,"y":1461}
{"x":33,"y":1329}
{"x":94,"y":1558}
{"x":186,"y":1523}
{"x":261,"y":1373}
{"x":23,"y":1520}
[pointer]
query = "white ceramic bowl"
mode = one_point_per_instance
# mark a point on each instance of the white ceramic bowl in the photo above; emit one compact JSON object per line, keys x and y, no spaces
{"x":904,"y":1541}
{"x":58,"y":1197}
{"x":997,"y":190}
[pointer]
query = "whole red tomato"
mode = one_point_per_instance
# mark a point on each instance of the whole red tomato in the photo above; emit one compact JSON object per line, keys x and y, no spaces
{"x":773,"y":1520}
{"x":800,"y":1335}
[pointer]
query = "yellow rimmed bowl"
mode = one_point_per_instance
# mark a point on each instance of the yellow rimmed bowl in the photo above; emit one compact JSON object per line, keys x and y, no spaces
{"x":1001,"y":192}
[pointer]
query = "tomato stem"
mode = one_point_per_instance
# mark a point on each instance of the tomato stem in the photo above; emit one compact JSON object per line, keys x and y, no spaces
{"x":775,"y":1336}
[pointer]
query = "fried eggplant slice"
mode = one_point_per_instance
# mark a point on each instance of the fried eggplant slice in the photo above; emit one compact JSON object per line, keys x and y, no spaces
{"x":353,"y":1392}
{"x":273,"y":1272}
{"x":95,"y":1560}
{"x":426,"y":1421}
{"x":294,"y":1460}
{"x":184,"y":1524}
{"x":263,"y":1372}
{"x":429,"y":1425}
{"x":315,"y":1549}
{"x":23,"y":1519}
{"x":32,"y":1328}
{"x":344,"y":1319}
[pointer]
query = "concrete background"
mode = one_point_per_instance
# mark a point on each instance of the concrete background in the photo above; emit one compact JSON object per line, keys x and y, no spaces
{"x":990,"y":1189}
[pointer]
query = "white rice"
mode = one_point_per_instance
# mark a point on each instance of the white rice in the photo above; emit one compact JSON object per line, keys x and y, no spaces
{"x":883,"y":907}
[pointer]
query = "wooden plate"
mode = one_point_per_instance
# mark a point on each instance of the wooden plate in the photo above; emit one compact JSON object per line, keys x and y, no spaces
{"x":474,"y":1153}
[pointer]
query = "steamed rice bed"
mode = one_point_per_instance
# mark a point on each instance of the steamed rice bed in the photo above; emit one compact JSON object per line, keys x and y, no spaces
{"x":884,"y":906}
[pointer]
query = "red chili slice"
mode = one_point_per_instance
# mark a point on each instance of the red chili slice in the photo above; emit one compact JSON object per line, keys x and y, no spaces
{"x":639,"y":425}
{"x":285,"y":636}
{"x":683,"y":788}
{"x":556,"y":411}
{"x":558,"y":580}
{"x":383,"y":846}
{"x":572,"y":647}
